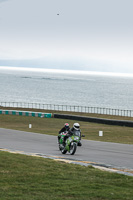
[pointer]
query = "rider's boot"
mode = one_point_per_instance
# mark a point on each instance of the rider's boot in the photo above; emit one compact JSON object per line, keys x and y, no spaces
{"x":79,"y":143}
{"x":64,"y":143}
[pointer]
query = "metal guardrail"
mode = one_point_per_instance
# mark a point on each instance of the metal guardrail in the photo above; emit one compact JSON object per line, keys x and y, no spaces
{"x":83,"y":109}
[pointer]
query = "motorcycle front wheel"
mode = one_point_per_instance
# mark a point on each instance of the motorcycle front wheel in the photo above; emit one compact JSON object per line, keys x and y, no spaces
{"x":73,"y":148}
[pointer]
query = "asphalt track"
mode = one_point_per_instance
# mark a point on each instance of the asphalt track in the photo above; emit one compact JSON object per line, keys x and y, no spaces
{"x":111,"y":155}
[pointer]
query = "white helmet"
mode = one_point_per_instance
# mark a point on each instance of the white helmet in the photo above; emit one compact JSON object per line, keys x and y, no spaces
{"x":76,"y":126}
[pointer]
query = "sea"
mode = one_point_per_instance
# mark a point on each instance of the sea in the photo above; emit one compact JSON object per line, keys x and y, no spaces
{"x":58,"y":88}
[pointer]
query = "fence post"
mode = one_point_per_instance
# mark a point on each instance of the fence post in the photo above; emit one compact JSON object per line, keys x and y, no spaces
{"x":85,"y":109}
{"x":130,"y":113}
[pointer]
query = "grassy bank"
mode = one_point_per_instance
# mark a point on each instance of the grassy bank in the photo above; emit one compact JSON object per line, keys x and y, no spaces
{"x":32,"y":178}
{"x":51,"y":126}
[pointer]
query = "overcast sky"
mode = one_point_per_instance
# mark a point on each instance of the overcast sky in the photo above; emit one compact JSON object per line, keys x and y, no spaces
{"x":93,"y":35}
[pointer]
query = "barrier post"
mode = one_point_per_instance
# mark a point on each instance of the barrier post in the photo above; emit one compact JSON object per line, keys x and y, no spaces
{"x":100,"y":133}
{"x":30,"y":125}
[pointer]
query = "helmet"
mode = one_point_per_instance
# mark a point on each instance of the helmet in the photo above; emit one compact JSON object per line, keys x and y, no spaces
{"x":76,"y":126}
{"x":66,"y":126}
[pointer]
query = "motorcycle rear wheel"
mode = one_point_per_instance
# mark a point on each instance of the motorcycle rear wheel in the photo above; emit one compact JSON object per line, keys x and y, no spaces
{"x":63,"y":151}
{"x":59,"y":147}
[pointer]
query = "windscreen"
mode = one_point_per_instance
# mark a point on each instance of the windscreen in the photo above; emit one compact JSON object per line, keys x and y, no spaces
{"x":77,"y":133}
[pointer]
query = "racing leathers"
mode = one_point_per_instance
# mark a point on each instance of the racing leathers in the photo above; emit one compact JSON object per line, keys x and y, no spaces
{"x":64,"y":129}
{"x":71,"y":132}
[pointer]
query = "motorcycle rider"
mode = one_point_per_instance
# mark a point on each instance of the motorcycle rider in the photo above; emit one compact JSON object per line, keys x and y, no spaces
{"x":72,"y":131}
{"x":65,"y":128}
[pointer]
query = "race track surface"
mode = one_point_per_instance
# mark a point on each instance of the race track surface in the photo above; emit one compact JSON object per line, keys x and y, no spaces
{"x":103,"y":153}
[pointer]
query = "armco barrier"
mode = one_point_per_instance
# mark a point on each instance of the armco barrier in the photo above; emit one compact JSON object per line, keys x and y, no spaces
{"x":71,"y":117}
{"x":96,"y":120}
{"x":26,"y":113}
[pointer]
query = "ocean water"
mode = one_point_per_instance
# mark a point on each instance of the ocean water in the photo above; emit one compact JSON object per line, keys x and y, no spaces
{"x":66,"y":89}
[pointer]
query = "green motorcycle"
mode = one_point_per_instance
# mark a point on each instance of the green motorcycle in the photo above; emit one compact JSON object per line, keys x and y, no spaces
{"x":70,"y":144}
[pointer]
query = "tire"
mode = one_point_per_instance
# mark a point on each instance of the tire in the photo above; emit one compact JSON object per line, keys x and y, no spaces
{"x":63,"y":151}
{"x":59,"y":147}
{"x":73,"y":148}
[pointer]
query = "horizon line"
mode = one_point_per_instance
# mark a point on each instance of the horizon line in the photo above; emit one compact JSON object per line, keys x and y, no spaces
{"x":80,"y":72}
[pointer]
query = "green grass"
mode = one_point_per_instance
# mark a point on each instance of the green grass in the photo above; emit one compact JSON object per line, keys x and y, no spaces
{"x":33,"y":178}
{"x":52,"y":126}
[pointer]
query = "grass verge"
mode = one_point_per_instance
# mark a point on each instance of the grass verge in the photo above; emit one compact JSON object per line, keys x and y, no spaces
{"x":32,"y":178}
{"x":51,"y":126}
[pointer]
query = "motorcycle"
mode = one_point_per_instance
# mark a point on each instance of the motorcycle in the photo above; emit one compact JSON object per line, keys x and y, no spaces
{"x":71,"y":142}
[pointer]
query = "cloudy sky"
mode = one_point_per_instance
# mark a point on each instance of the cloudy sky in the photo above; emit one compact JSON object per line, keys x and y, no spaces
{"x":90,"y":35}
